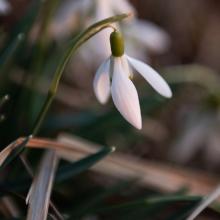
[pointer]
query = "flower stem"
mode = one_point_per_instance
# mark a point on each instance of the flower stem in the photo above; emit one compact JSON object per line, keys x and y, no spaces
{"x":74,"y":45}
{"x":43,"y":112}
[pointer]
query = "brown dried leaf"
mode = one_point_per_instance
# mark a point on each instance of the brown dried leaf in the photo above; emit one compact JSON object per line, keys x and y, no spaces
{"x":6,"y":151}
{"x":154,"y":174}
{"x":38,"y":196}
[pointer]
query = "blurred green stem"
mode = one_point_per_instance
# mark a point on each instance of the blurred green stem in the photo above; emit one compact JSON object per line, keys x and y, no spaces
{"x":43,"y":112}
{"x":74,"y":45}
{"x":9,"y":53}
{"x":42,"y":45}
{"x":43,"y":38}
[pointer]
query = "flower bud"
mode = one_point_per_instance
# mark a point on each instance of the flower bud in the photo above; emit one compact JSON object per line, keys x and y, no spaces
{"x":117,"y":44}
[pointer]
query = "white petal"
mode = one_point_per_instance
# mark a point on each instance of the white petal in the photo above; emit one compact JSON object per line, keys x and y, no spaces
{"x":101,"y":83}
{"x":100,"y":52}
{"x":103,"y":10}
{"x":4,"y":7}
{"x":122,"y":6}
{"x":66,"y":18}
{"x":149,"y":35}
{"x":99,"y":45}
{"x":126,"y":67}
{"x":153,"y":78}
{"x":125,"y":96}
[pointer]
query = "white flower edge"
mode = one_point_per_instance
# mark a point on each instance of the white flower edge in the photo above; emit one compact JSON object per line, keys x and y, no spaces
{"x":4,"y":7}
{"x":122,"y":89}
{"x":122,"y":6}
{"x":124,"y":95}
{"x":101,"y":83}
{"x":151,"y":76}
{"x":150,"y":36}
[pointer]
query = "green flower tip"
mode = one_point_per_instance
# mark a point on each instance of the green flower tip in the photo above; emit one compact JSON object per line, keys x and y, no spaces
{"x":117,"y":44}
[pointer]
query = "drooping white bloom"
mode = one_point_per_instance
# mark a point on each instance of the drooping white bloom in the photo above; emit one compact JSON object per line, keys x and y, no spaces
{"x":149,"y":36}
{"x":67,"y":17}
{"x":114,"y":77}
{"x":4,"y":7}
{"x":86,"y":12}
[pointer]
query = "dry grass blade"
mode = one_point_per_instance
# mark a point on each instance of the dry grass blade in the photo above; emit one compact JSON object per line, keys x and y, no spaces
{"x":6,"y":151}
{"x":205,"y":203}
{"x":38,"y":197}
{"x":65,"y":151}
{"x":4,"y":154}
{"x":9,"y":208}
{"x":157,"y":175}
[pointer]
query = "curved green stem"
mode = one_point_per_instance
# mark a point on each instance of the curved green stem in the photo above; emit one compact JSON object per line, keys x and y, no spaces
{"x":74,"y":45}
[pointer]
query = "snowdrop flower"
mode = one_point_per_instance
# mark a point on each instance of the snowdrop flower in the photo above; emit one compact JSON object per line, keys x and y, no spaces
{"x":4,"y":7}
{"x":114,"y":77}
{"x":150,"y":36}
{"x":86,"y":12}
{"x":67,"y":17}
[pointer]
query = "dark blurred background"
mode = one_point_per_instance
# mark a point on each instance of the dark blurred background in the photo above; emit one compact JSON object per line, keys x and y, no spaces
{"x":193,"y":27}
{"x":182,"y":132}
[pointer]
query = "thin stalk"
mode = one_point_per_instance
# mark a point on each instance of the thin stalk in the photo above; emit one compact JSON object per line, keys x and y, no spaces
{"x":10,"y":51}
{"x":43,"y":39}
{"x":74,"y":45}
{"x":43,"y":112}
{"x":42,"y":45}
